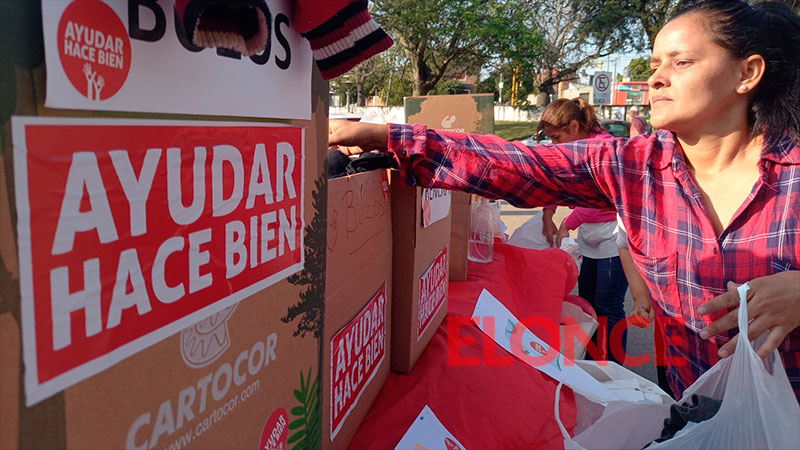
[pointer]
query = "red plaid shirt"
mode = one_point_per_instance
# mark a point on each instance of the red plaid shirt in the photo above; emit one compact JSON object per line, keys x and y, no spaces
{"x":647,"y":180}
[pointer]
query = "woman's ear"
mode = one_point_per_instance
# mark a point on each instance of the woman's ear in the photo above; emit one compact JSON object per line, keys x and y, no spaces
{"x":574,"y":127}
{"x":752,"y":70}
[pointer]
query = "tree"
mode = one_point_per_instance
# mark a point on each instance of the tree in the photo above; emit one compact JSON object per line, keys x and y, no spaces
{"x":311,"y":307}
{"x":447,"y":87}
{"x":384,"y":75}
{"x":576,"y":32}
{"x":640,"y":68}
{"x":440,"y":37}
{"x":653,"y":14}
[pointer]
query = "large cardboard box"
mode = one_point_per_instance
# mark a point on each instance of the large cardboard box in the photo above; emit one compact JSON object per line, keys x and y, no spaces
{"x":245,"y":376}
{"x":421,"y":249}
{"x":358,"y":302}
{"x":468,"y":113}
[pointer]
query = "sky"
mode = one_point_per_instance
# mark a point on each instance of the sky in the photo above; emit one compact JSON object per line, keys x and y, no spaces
{"x":623,"y":59}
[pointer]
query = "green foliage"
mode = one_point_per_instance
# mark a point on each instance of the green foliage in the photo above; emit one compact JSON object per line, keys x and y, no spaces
{"x":651,"y":14}
{"x":387,"y":71}
{"x":443,"y":37}
{"x":306,"y":429}
{"x":514,"y":131}
{"x":448,"y":87}
{"x":640,"y":68}
{"x":575,"y":33}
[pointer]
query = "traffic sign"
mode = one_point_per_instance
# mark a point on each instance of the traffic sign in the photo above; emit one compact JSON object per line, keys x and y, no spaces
{"x":601,"y":88}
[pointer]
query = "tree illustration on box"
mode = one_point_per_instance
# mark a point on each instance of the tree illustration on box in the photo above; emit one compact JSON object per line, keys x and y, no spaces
{"x":306,"y":428}
{"x":306,"y":431}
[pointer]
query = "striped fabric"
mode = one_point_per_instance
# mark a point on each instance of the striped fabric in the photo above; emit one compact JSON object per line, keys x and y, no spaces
{"x":346,"y":39}
{"x":670,"y":237}
{"x":239,"y":25}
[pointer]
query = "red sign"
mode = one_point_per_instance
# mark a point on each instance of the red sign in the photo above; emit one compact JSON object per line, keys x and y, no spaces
{"x":432,"y":291}
{"x":94,"y":49}
{"x":273,"y":436}
{"x":130,"y":231}
{"x":357,"y":352}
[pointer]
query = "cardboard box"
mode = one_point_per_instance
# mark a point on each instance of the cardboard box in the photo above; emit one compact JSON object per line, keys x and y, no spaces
{"x":468,"y":113}
{"x":420,"y":264}
{"x":459,"y":235}
{"x":358,"y":302}
{"x":245,"y":376}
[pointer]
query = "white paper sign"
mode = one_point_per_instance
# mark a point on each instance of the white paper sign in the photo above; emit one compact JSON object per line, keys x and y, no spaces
{"x":516,"y":339}
{"x":428,"y":433}
{"x":128,"y":55}
{"x":435,"y":205}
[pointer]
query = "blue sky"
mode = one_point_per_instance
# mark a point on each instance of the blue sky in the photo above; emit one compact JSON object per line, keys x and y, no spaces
{"x":623,"y":59}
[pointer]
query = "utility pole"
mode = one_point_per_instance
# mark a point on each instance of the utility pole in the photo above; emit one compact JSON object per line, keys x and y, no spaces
{"x":500,"y":85}
{"x":514,"y":71}
{"x":614,"y":82}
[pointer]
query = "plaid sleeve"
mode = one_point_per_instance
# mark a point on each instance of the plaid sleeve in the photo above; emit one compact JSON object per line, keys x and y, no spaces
{"x":494,"y":168}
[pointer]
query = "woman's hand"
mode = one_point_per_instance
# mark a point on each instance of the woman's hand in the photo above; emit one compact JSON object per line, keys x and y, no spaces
{"x":563,"y":232}
{"x":773,"y":303}
{"x":643,"y":307}
{"x":549,"y":229}
{"x":353,"y":138}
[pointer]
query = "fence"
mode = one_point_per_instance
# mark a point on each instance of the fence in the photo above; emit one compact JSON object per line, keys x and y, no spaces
{"x":397,"y":115}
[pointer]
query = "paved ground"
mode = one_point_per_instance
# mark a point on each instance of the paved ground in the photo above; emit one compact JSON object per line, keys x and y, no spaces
{"x":640,"y":341}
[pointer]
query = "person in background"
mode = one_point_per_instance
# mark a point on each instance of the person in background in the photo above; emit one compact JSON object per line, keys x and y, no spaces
{"x":638,"y":124}
{"x":601,"y":280}
{"x":709,"y":200}
{"x":642,"y":305}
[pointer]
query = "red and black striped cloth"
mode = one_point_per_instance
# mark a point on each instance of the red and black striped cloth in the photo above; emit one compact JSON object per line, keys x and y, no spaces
{"x":341,"y":32}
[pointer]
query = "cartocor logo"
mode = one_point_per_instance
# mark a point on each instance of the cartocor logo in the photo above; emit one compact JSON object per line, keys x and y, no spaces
{"x":447,"y":122}
{"x":206,"y":340}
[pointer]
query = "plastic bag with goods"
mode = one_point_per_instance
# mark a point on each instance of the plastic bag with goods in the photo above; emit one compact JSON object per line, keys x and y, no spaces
{"x":758,"y":411}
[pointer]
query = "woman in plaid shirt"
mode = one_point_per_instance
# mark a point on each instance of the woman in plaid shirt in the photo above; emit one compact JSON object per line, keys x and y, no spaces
{"x":711,"y":199}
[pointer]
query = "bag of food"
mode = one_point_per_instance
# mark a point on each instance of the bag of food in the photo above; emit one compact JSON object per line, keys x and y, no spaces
{"x":758,"y":408}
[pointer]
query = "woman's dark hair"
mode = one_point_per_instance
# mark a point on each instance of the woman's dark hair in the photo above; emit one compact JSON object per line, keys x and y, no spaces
{"x":561,"y":112}
{"x":770,"y":29}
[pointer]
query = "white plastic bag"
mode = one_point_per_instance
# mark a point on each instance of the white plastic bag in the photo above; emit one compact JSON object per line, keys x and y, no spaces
{"x":586,"y":323}
{"x":529,"y":234}
{"x":625,"y":424}
{"x":759,"y":409}
{"x":570,"y":245}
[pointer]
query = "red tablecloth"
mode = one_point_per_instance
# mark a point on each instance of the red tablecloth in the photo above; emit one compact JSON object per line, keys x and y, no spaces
{"x":480,"y":394}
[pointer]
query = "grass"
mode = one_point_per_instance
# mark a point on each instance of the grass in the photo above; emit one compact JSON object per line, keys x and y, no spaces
{"x":514,"y":131}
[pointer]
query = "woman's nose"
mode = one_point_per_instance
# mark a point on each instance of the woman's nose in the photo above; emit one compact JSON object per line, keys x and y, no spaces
{"x":657,"y":79}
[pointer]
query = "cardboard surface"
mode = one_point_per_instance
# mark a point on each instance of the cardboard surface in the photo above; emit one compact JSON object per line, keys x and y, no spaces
{"x":213,"y":384}
{"x":237,"y":379}
{"x":468,"y":113}
{"x":359,"y":258}
{"x":414,"y":249}
{"x":459,"y":235}
{"x":10,"y":358}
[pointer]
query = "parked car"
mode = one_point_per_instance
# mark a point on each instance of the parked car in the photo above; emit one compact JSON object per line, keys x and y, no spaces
{"x":532,"y":140}
{"x":616,"y":128}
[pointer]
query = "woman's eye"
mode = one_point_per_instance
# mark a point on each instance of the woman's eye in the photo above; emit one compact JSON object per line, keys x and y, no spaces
{"x":653,"y":70}
{"x":683,"y":63}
